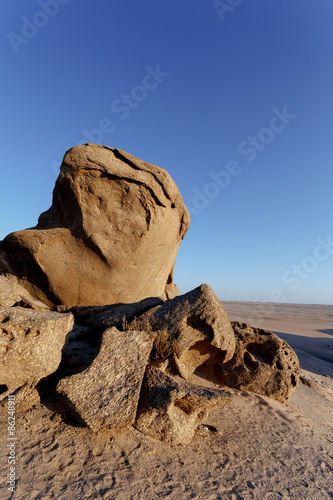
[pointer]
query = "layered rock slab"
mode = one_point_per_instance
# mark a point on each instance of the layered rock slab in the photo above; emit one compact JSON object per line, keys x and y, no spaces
{"x":263,"y":363}
{"x":196,"y":327}
{"x":171,"y":409}
{"x":31,"y":346}
{"x":12,"y":293}
{"x":111,"y":235}
{"x":106,"y":394}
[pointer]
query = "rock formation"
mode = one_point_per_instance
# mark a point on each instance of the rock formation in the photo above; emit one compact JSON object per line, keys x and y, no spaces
{"x":105,"y":251}
{"x":262,"y":363}
{"x":31,"y":345}
{"x":101,"y":318}
{"x":197,"y":327}
{"x":106,"y":394}
{"x":171,"y":409}
{"x":111,"y":235}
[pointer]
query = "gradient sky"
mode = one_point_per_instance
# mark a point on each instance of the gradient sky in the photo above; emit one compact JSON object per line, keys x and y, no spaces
{"x":239,"y":112}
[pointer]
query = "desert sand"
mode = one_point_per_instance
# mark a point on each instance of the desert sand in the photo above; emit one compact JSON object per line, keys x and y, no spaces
{"x":253,"y":448}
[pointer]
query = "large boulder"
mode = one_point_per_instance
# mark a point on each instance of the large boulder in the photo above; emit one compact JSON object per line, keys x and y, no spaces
{"x":170,"y":408}
{"x":111,"y":235}
{"x":263,"y":363}
{"x":194,"y":326}
{"x":31,"y":346}
{"x":106,"y":394}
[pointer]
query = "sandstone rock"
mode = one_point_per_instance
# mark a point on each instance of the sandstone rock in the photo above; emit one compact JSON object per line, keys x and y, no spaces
{"x":106,"y":394}
{"x":262,"y":363}
{"x":31,"y":345}
{"x":103,"y":317}
{"x":196,"y":327}
{"x":111,"y":235}
{"x":13,"y":294}
{"x":170,"y":409}
{"x":82,"y":344}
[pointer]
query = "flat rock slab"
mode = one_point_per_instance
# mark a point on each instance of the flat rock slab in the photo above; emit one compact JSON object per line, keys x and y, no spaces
{"x":170,"y":408}
{"x":263,"y":363}
{"x":196,"y":327}
{"x":31,"y":344}
{"x":106,"y":394}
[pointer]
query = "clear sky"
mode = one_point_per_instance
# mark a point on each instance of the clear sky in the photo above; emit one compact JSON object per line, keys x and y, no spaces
{"x":233,"y":98}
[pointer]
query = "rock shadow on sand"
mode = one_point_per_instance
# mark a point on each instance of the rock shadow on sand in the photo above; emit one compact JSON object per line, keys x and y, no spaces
{"x":311,"y":349}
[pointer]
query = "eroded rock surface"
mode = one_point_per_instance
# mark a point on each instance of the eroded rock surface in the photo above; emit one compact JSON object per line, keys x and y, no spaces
{"x":118,"y":315}
{"x":262,"y":363}
{"x":170,"y":408}
{"x":106,"y":394}
{"x":14,"y":294}
{"x":111,"y":235}
{"x":31,"y":346}
{"x":196,"y":327}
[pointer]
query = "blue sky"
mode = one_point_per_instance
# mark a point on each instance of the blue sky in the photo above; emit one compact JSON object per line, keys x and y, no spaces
{"x":239,"y":112}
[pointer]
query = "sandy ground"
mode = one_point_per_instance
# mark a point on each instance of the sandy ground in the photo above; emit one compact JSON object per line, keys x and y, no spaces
{"x":252,"y":448}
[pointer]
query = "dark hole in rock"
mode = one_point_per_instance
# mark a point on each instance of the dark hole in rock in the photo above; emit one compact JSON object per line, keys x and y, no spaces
{"x":210,"y":371}
{"x":264,"y":352}
{"x":204,"y":358}
{"x":279,"y":366}
{"x":23,"y":303}
{"x":3,"y":388}
{"x":206,"y":349}
{"x":293,"y":380}
{"x":184,"y":404}
{"x":200,"y":325}
{"x":5,"y":320}
{"x":250,"y":363}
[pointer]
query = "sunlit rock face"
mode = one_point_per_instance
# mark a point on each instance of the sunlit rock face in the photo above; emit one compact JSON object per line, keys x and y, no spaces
{"x":111,"y":235}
